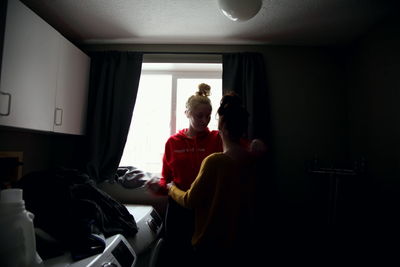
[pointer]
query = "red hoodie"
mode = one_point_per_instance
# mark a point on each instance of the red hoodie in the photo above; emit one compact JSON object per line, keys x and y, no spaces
{"x":183,"y":156}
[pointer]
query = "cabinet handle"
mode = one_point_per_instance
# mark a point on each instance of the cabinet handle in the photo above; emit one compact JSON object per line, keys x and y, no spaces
{"x":58,"y":114}
{"x":8,"y":104}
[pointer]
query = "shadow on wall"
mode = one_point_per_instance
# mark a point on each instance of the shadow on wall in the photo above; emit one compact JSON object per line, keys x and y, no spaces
{"x":42,"y":150}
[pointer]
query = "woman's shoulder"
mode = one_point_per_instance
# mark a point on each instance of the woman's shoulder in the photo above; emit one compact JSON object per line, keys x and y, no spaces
{"x":216,"y":157}
{"x":214,"y":133}
{"x":180,"y":135}
{"x":221,"y":161}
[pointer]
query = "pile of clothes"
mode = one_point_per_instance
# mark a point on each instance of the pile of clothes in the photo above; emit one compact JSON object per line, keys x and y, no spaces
{"x":70,"y":209}
{"x":132,"y":177}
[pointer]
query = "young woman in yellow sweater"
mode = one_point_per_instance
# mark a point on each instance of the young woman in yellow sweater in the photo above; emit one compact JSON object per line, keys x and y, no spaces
{"x":222,"y":195}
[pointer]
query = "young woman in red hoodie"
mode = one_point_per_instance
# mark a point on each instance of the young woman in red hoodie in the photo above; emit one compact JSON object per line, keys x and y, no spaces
{"x":184,"y":152}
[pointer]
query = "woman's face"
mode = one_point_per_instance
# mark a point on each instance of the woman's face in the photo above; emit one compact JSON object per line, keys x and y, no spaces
{"x":199,"y":117}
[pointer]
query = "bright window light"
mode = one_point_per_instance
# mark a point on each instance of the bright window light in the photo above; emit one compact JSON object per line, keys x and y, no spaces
{"x":160,"y":109}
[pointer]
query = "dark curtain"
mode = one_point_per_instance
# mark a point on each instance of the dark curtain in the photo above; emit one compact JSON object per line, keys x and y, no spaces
{"x":245,"y":74}
{"x":114,"y":81}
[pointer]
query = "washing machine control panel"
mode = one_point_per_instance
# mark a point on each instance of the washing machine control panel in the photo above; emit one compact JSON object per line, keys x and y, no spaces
{"x":149,"y":224}
{"x":118,"y":253}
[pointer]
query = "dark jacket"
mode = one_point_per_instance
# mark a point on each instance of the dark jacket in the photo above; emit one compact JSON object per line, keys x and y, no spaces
{"x":69,"y":207}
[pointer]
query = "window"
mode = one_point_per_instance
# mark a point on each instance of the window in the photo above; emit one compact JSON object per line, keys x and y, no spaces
{"x":160,"y":105}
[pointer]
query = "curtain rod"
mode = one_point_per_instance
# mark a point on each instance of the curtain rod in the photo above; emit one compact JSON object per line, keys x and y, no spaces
{"x":183,"y":57}
{"x":184,"y":53}
{"x":196,"y":53}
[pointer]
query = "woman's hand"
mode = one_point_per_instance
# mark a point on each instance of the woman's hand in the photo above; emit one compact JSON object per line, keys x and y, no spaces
{"x":169,"y":185}
{"x":258,"y":147}
{"x":153,"y":185}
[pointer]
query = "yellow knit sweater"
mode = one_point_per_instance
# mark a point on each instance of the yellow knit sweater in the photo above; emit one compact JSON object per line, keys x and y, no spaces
{"x":222,"y":197}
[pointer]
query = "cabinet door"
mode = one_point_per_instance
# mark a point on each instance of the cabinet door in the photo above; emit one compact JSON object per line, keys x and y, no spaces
{"x":29,"y":70}
{"x":72,"y":89}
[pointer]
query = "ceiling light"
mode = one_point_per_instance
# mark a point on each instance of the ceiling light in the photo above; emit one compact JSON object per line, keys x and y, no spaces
{"x":240,"y":10}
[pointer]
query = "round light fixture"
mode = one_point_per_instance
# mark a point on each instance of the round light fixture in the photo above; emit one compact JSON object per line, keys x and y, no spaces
{"x":240,"y":10}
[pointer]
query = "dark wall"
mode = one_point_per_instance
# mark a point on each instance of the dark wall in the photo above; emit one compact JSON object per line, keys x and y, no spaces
{"x":309,"y":121}
{"x":42,"y":150}
{"x":374,"y":117}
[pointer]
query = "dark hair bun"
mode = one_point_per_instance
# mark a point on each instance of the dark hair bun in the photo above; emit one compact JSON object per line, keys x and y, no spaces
{"x":234,"y":115}
{"x":230,"y":100}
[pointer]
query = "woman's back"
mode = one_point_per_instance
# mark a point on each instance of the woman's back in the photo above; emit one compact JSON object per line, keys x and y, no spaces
{"x":227,"y":206}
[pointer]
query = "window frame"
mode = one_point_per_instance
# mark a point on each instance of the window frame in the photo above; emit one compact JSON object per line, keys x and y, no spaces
{"x":176,"y":75}
{"x":177,"y":72}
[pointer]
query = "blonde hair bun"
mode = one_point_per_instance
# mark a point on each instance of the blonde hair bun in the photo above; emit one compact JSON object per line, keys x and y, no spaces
{"x":200,"y":97}
{"x":204,"y":90}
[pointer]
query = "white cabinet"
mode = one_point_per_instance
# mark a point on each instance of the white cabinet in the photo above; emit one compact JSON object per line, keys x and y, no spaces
{"x":44,"y":78}
{"x":72,"y":89}
{"x":29,"y":70}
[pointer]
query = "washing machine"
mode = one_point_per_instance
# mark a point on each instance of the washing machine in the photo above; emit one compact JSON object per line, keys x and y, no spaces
{"x":118,"y":253}
{"x":141,"y":250}
{"x":147,"y":242}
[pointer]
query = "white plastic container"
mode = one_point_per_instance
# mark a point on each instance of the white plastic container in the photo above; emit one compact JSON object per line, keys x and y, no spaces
{"x":17,"y":234}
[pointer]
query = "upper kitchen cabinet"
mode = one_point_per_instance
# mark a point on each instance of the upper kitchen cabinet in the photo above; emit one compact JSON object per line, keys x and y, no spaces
{"x":29,"y":70}
{"x":44,"y":77}
{"x":72,"y":89}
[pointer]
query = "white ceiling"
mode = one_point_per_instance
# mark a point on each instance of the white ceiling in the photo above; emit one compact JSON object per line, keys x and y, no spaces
{"x":300,"y":22}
